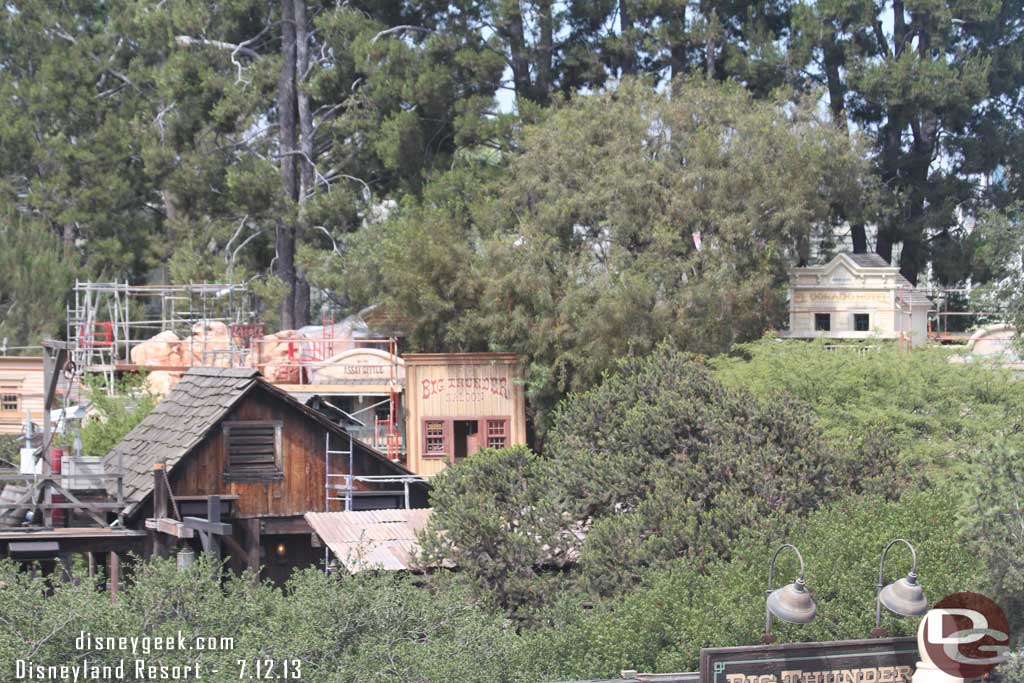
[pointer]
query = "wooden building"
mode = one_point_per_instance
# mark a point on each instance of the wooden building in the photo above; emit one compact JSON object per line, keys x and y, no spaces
{"x":21,"y":389}
{"x":270,"y":459}
{"x":856,"y":296}
{"x":458,"y":403}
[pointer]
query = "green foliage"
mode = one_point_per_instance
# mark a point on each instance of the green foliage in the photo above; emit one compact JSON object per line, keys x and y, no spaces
{"x":998,"y":242}
{"x":663,"y":625}
{"x":904,"y":73}
{"x":36,"y":281}
{"x":992,"y":521}
{"x":936,"y":413}
{"x":668,"y":462}
{"x":583,"y":250}
{"x":495,"y":519}
{"x":660,"y":461}
{"x":113,"y":416}
{"x":365,"y":628}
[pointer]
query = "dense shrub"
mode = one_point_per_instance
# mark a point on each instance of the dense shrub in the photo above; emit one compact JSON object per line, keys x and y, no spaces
{"x":668,"y":462}
{"x":495,"y":517}
{"x":680,"y":609}
{"x":366,"y":628}
{"x":992,"y":522}
{"x":936,"y":413}
{"x":113,"y":416}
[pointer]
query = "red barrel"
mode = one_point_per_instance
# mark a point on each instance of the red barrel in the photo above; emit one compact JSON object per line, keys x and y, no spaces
{"x":59,"y":516}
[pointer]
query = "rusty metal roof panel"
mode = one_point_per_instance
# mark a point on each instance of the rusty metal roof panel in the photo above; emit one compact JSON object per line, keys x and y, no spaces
{"x":365,"y":539}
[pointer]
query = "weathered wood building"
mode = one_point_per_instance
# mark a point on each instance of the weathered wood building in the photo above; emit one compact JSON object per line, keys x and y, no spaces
{"x":270,"y":459}
{"x":458,"y":403}
{"x":21,"y":389}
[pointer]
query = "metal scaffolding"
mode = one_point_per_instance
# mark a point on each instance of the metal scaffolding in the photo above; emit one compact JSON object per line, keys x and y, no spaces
{"x":106,"y":320}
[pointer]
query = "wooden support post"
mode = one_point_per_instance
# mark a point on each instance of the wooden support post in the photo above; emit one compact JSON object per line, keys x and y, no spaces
{"x":67,"y":574}
{"x":159,"y":507}
{"x":213,"y":515}
{"x":115,"y":576}
{"x":253,"y":549}
{"x":92,"y":564}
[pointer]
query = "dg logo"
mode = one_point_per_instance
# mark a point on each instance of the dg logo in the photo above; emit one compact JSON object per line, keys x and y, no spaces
{"x":965,"y":635}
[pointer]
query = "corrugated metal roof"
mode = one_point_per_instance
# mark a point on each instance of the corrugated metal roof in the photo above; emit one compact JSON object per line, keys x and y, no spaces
{"x":372,"y":539}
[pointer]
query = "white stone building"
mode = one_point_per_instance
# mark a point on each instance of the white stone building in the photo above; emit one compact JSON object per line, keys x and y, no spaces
{"x":856,"y":296}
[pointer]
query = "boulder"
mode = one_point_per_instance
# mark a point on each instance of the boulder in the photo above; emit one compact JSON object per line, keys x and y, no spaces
{"x":162,"y":350}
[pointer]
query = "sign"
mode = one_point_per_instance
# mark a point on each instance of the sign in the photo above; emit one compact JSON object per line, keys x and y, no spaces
{"x":466,"y":388}
{"x":359,"y":366}
{"x":879,"y":660}
{"x":850,"y":297}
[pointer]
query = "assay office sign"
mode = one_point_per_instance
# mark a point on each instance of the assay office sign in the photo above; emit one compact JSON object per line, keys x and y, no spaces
{"x":880,"y":660}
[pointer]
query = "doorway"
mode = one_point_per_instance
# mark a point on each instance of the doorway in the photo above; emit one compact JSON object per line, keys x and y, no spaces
{"x":466,"y":437}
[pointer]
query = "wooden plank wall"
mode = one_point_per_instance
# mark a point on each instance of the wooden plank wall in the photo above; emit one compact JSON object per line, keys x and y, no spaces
{"x":300,"y":490}
{"x":25,"y":376}
{"x":467,"y":386}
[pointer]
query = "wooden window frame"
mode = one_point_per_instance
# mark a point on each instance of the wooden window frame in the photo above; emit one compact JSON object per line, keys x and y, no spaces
{"x":6,"y":391}
{"x":449,"y":433}
{"x":506,"y":431}
{"x":267,"y":474}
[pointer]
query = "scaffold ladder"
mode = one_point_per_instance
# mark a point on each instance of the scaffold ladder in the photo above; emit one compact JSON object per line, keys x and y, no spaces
{"x":333,"y":489}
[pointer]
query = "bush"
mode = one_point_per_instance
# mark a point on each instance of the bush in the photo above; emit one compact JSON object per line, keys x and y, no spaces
{"x":934,"y":412}
{"x":114,"y":416}
{"x":668,"y":461}
{"x":992,"y":522}
{"x":680,"y":609}
{"x":495,"y":518}
{"x":370,"y":627}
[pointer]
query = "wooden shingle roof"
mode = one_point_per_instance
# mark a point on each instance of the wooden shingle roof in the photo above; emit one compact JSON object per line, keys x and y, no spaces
{"x":177,"y":424}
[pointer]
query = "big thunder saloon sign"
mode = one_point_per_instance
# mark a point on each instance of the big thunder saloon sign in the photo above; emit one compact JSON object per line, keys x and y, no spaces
{"x":879,"y":660}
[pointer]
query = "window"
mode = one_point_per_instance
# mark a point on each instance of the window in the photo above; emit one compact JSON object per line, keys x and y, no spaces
{"x":252,"y":449}
{"x":497,"y":433}
{"x":861,"y":322}
{"x":434,"y":440}
{"x":822,"y":322}
{"x":9,"y":402}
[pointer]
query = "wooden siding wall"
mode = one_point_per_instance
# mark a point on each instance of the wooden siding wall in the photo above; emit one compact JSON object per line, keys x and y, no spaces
{"x":300,"y":490}
{"x":25,"y":377}
{"x":460,"y":387}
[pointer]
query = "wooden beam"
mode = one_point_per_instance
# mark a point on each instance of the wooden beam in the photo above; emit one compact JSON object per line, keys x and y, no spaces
{"x":171,"y":527}
{"x":205,"y":525}
{"x":238,"y":553}
{"x":284,"y":525}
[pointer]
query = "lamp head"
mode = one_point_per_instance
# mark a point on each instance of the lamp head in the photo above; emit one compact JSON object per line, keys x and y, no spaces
{"x":904,"y":597}
{"x":793,"y":603}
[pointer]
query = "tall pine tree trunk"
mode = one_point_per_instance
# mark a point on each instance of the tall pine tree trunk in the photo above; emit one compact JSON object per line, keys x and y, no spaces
{"x":545,"y":48}
{"x":284,"y":242}
{"x":626,"y":30}
{"x":517,"y":47}
{"x":306,"y":176}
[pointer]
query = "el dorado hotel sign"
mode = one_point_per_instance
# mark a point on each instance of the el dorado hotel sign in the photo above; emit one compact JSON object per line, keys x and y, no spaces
{"x":879,"y":660}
